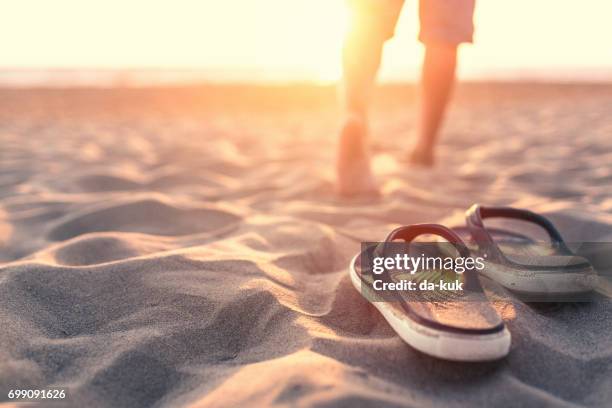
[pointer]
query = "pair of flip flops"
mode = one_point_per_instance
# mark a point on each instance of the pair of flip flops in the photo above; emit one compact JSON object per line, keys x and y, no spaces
{"x":463,"y":325}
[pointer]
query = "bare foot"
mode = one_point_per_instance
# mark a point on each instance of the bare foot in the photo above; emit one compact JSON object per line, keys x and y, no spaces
{"x":422,"y":156}
{"x":353,"y":161}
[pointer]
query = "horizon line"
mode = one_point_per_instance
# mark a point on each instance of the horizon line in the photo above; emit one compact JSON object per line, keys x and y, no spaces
{"x":104,"y":77}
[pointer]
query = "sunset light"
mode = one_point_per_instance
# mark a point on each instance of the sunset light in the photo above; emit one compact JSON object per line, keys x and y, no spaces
{"x":292,"y":39}
{"x":305,"y":203}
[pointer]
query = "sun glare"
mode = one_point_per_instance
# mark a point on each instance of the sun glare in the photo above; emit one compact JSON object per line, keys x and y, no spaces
{"x":273,"y":39}
{"x":279,"y":40}
{"x":303,"y":36}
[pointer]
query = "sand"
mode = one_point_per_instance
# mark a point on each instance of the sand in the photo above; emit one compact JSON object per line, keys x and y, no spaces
{"x":184,"y":247}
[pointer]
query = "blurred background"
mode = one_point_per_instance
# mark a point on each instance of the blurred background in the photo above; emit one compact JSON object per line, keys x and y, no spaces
{"x":114,"y":42}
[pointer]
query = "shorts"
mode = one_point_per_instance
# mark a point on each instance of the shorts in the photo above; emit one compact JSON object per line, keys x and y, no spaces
{"x":442,"y":21}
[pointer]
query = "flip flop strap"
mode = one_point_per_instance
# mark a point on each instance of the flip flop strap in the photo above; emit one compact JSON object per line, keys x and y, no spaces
{"x":410,"y":232}
{"x":477,"y":213}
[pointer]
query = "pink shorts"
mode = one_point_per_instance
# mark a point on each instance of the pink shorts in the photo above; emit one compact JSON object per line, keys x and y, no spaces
{"x":442,"y":21}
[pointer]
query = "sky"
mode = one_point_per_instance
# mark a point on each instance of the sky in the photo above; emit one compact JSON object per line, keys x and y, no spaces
{"x":294,"y":39}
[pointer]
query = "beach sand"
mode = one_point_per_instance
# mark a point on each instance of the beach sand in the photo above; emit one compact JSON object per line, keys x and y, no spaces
{"x":184,"y":247}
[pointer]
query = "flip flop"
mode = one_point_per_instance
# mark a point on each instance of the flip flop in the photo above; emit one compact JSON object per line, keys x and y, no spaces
{"x":549,"y":270}
{"x":459,"y":326}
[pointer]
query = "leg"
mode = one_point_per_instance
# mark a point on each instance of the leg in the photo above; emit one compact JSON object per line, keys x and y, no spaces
{"x":360,"y":61}
{"x":437,"y":80}
{"x":444,"y":25}
{"x":372,"y":23}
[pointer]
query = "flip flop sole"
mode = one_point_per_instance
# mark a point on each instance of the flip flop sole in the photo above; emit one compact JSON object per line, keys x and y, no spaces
{"x":550,"y":283}
{"x":529,"y":281}
{"x":438,"y":343}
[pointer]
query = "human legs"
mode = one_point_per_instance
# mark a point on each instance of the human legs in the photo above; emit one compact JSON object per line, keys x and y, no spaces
{"x":372,"y":23}
{"x":437,"y":80}
{"x":444,"y":25}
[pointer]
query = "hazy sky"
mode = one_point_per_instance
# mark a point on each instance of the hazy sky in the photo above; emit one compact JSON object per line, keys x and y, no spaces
{"x":294,"y":38}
